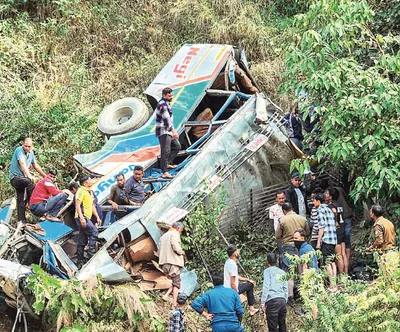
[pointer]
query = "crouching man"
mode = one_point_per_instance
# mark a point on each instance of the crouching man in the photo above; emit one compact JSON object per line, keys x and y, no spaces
{"x":46,"y":200}
{"x":85,"y":208}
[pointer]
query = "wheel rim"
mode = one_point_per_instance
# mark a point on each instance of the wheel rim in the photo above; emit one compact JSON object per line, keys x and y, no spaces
{"x":121,"y":115}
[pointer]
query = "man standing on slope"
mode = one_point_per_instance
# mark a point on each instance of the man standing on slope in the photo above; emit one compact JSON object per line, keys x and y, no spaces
{"x":289,"y":224}
{"x":85,"y":208}
{"x":20,"y":176}
{"x":172,"y":258}
{"x":166,"y":133}
{"x":224,"y":309}
{"x":327,"y":237}
{"x":385,"y":234}
{"x":274,"y":296}
{"x":297,"y":195}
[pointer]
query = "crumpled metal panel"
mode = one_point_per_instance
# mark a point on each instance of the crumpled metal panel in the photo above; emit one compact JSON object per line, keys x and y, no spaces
{"x":103,"y":264}
{"x":13,"y":271}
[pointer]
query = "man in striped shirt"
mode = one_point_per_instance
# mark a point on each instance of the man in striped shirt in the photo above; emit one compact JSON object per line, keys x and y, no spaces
{"x":327,"y":237}
{"x":166,"y":134}
{"x":314,"y":223}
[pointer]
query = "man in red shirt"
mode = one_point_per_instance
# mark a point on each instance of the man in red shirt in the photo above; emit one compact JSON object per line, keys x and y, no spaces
{"x":46,"y":199}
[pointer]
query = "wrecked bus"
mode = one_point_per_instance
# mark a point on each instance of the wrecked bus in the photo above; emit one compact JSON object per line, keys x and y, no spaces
{"x":230,"y":136}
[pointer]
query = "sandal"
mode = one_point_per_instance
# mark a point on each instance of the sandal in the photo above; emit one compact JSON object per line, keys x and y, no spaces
{"x":51,"y":218}
{"x":167,"y":176}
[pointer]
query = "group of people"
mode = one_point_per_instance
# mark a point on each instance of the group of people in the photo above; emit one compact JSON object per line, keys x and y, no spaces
{"x":300,"y":230}
{"x":45,"y":200}
{"x":326,"y":223}
{"x":222,"y":304}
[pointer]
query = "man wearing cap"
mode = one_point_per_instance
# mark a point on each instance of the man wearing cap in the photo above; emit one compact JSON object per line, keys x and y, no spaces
{"x":224,"y":309}
{"x":85,"y":208}
{"x":46,"y":199}
{"x":297,"y":196}
{"x":133,"y":191}
{"x":177,"y":316}
{"x":172,"y":258}
{"x":274,"y":296}
{"x":20,"y":176}
{"x":232,"y":278}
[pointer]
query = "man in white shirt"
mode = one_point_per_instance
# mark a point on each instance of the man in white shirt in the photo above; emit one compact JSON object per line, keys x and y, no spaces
{"x":232,"y":278}
{"x":275,"y":211}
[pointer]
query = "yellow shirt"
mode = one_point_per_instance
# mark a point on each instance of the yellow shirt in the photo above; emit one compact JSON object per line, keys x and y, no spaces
{"x":86,"y":198}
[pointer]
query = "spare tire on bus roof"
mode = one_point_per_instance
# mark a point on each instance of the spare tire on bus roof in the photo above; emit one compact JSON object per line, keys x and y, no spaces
{"x":122,"y":116}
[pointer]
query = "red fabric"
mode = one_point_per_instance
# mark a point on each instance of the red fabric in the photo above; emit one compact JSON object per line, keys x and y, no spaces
{"x":44,"y":189}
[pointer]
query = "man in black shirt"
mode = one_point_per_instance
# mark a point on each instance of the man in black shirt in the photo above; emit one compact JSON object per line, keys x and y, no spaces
{"x":133,"y":192}
{"x":114,"y":198}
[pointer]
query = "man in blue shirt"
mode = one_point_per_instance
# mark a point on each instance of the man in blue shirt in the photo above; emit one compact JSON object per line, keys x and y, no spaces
{"x":20,"y":176}
{"x":274,"y":295}
{"x":133,"y":192}
{"x":224,"y":309}
{"x":305,"y":248}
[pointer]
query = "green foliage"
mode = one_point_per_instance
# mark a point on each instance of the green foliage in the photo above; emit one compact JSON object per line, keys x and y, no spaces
{"x":202,"y":223}
{"x":300,"y":165}
{"x":358,"y":306}
{"x":75,"y":305}
{"x":351,"y":76}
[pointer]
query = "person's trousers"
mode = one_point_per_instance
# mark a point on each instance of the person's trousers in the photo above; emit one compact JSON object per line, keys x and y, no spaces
{"x":298,"y":143}
{"x":22,"y":184}
{"x":227,"y":327}
{"x":169,"y":149}
{"x":87,"y":236}
{"x":348,"y":232}
{"x":248,"y":288}
{"x":275,"y":311}
{"x":51,"y":206}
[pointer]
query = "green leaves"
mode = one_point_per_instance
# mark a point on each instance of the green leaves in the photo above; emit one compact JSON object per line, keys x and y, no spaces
{"x":203,"y":221}
{"x":352,"y":74}
{"x":300,"y":165}
{"x":358,"y":306}
{"x":87,"y":302}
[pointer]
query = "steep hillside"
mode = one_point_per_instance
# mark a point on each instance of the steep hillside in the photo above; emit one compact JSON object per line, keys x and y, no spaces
{"x":63,"y":61}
